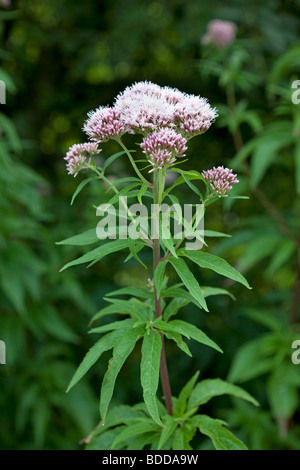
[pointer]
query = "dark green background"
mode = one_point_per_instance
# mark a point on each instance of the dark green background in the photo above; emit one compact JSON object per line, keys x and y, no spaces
{"x":60,"y":59}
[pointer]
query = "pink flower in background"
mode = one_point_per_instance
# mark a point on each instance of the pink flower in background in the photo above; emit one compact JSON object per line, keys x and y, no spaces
{"x":163,"y":147}
{"x":105,"y":123}
{"x":77,"y":155}
{"x":5,"y":3}
{"x":221,"y":180}
{"x":219,"y":32}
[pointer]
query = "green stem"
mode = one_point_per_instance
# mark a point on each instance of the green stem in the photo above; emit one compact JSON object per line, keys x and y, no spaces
{"x":164,"y":376}
{"x":101,"y":176}
{"x":134,"y":164}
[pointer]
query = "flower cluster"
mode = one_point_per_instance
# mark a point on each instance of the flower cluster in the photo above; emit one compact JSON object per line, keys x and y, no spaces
{"x":147,"y":107}
{"x":219,"y":32}
{"x":163,"y":147}
{"x":221,"y":180}
{"x":77,"y":155}
{"x":166,"y":117}
{"x":104,"y":124}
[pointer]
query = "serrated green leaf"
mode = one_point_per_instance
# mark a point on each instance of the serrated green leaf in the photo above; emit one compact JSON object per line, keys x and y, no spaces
{"x":104,"y":344}
{"x":168,"y":244}
{"x":80,"y":187}
{"x":189,"y":281}
{"x":132,"y":291}
{"x":282,"y":390}
{"x":182,"y":437}
{"x":146,"y":425}
{"x":159,"y":276}
{"x":134,"y":307}
{"x":179,"y":341}
{"x":117,"y":325}
{"x":222,"y":438}
{"x":210,"y":388}
{"x":253,"y":359}
{"x":169,"y":427}
{"x":176,"y":292}
{"x":188,"y":330}
{"x":104,"y":441}
{"x":151,"y":351}
{"x":209,"y":291}
{"x":216,"y":264}
{"x":132,"y":245}
{"x":116,"y":308}
{"x":111,"y":159}
{"x":140,"y":441}
{"x":142,"y":191}
{"x":82,"y":239}
{"x":193,"y":187}
{"x":185,"y":393}
{"x":262,"y":158}
{"x":98,"y":253}
{"x":121,"y":351}
{"x":173,"y":307}
{"x":123,"y":192}
{"x":213,"y":233}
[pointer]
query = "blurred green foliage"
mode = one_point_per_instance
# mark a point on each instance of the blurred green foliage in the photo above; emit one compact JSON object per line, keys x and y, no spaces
{"x":60,"y":59}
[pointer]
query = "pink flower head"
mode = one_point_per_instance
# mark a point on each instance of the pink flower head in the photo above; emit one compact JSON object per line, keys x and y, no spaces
{"x":194,"y":115}
{"x":163,"y":147}
{"x":221,"y":180}
{"x":144,"y":108}
{"x":147,"y":107}
{"x":105,"y":123}
{"x":220,"y":32}
{"x":5,"y":3}
{"x":77,"y":155}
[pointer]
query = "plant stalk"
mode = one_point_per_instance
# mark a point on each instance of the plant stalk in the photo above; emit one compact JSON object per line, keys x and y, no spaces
{"x":164,"y":375}
{"x":139,"y":174}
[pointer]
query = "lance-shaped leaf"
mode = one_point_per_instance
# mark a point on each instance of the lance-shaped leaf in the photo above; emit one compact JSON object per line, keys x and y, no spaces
{"x":168,"y":430}
{"x":132,"y":291}
{"x":173,"y":307}
{"x":159,"y":276}
{"x":183,"y":435}
{"x":222,"y":438}
{"x":144,"y":426}
{"x":111,"y":159}
{"x":179,"y":341}
{"x":82,"y":239}
{"x":98,"y":253}
{"x":207,"y":389}
{"x":80,"y":187}
{"x":151,"y":351}
{"x":116,"y":325}
{"x":189,"y":281}
{"x":121,"y":351}
{"x":186,"y":329}
{"x":184,"y":395}
{"x":216,"y":264}
{"x":104,"y":344}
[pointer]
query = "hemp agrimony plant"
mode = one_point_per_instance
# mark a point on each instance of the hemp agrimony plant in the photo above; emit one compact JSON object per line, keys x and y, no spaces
{"x":166,"y":119}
